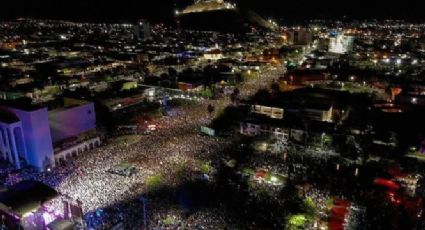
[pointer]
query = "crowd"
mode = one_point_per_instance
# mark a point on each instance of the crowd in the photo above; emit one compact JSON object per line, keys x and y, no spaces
{"x":176,"y":143}
{"x":174,"y":218}
{"x":355,"y":217}
{"x":109,"y":200}
{"x":85,"y":178}
{"x":264,"y":81}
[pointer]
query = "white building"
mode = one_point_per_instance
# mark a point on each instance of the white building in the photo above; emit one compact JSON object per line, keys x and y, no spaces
{"x":12,"y":143}
{"x":249,"y":128}
{"x":341,"y":44}
{"x":25,"y":137}
{"x":27,"y":133}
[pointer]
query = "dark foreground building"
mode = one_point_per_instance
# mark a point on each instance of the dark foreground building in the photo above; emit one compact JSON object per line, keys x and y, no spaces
{"x":32,"y":205}
{"x":20,"y":203}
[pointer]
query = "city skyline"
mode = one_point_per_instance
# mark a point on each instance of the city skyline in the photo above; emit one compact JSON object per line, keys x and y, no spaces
{"x":224,"y":116}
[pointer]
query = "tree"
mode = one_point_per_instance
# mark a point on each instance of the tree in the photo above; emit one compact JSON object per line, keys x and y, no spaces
{"x":188,"y":71}
{"x":262,"y":96}
{"x":234,"y":97}
{"x":207,"y":93}
{"x":310,"y":207}
{"x":172,"y":72}
{"x":296,"y":222}
{"x":275,"y":88}
{"x":211,"y":109}
{"x":154,"y":182}
{"x":236,"y":91}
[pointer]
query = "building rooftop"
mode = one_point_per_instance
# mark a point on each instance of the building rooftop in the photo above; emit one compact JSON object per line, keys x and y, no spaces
{"x":317,"y":106}
{"x":61,"y":225}
{"x":25,"y":197}
{"x":260,"y":119}
{"x":7,"y":116}
{"x":23,"y":104}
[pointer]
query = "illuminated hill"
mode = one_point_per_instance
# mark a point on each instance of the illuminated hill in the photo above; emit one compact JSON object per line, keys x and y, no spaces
{"x":218,"y":15}
{"x":208,"y":5}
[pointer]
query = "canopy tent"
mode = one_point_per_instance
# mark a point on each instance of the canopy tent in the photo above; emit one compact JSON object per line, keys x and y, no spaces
{"x":386,"y":183}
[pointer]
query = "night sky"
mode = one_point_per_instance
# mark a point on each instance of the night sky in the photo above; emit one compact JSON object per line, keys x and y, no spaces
{"x":162,"y":10}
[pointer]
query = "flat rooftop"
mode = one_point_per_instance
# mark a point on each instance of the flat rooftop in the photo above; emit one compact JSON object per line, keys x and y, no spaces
{"x":7,"y":116}
{"x":25,"y":197}
{"x":21,"y":104}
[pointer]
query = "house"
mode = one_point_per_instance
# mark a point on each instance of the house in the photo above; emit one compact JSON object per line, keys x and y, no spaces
{"x":263,"y":125}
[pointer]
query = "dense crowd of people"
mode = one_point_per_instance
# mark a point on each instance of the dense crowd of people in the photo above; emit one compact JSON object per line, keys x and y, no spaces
{"x":108,"y":199}
{"x":177,"y":142}
{"x":86,"y":178}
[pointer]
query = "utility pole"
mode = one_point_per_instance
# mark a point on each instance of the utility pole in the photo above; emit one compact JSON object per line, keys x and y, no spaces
{"x":144,"y":200}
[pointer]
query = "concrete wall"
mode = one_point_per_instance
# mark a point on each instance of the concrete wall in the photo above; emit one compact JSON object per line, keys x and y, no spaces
{"x":37,"y":137}
{"x":65,"y":123}
{"x":76,"y":150}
